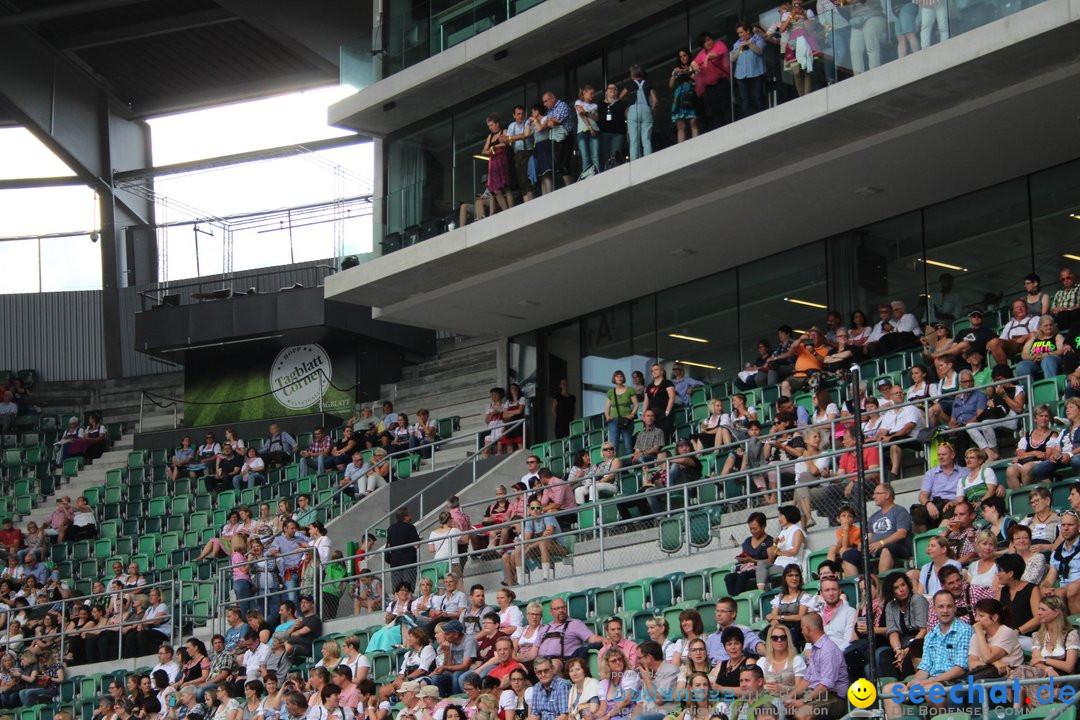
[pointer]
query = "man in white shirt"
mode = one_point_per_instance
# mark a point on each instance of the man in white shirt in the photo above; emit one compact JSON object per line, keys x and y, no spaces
{"x":837,"y":616}
{"x":895,"y":330}
{"x":353,"y":480}
{"x":899,"y":423}
{"x":256,"y":657}
{"x":167,"y":663}
{"x":1014,"y":335}
{"x":533,"y":464}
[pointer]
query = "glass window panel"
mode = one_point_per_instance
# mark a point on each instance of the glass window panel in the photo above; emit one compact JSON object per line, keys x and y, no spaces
{"x":877,"y":264}
{"x":265,"y":123}
{"x":768,"y":289}
{"x":25,"y":156}
{"x":643,"y":345}
{"x":1055,"y":207}
{"x":698,"y":326}
{"x":19,"y":258}
{"x":983,"y":241}
{"x":607,"y":349}
{"x":420,"y":177}
{"x":70,"y":263}
{"x":45,"y":211}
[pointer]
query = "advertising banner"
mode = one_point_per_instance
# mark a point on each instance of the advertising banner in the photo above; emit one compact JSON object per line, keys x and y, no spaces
{"x":294,"y":380}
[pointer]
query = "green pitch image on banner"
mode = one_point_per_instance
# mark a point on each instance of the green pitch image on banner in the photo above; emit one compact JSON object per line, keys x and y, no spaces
{"x":290,"y":383}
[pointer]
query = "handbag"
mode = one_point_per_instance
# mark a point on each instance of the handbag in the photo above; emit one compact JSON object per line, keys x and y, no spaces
{"x":622,"y":423}
{"x":984,"y":672}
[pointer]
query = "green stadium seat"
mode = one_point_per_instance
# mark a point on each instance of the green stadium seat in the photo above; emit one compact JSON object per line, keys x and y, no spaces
{"x":226,"y":500}
{"x":700,"y":529}
{"x":671,"y":535}
{"x":136,"y":459}
{"x":13,"y":457}
{"x":814,"y":560}
{"x":199,"y":521}
{"x":24,"y":504}
{"x":664,"y":591}
{"x":921,"y":558}
{"x":159,"y":507}
{"x":745,"y":604}
{"x":606,"y":601}
{"x":635,"y":595}
{"x":170,"y":541}
{"x":103,"y":547}
{"x":148,"y":544}
{"x":694,"y":586}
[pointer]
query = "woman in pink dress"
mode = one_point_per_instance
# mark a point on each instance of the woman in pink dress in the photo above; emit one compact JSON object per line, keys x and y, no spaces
{"x":497,"y":149}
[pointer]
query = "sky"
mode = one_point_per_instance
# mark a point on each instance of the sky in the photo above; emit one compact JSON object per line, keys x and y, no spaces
{"x":73,"y":262}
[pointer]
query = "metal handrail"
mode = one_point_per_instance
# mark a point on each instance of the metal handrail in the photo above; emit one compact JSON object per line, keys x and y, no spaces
{"x":684,"y":488}
{"x":831,"y":425}
{"x":419,"y":495}
{"x":107,"y":596}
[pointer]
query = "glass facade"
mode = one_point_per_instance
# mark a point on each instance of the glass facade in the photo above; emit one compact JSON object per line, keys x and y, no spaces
{"x":433,"y":171}
{"x":987,"y":241}
{"x":415,"y":30}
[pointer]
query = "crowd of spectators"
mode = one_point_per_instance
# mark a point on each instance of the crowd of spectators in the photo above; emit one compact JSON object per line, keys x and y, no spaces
{"x":998,"y":582}
{"x":531,"y":150}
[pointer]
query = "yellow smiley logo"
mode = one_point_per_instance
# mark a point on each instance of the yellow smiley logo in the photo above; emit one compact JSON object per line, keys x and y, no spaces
{"x":862,"y":693}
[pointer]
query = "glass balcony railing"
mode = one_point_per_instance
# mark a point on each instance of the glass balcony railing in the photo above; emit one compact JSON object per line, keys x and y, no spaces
{"x":415,"y":31}
{"x":807,"y":55}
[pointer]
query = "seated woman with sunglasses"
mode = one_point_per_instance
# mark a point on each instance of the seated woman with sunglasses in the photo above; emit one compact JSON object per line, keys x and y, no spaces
{"x":782,"y":665}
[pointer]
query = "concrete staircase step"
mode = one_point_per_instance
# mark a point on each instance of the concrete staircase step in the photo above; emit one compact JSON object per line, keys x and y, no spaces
{"x":92,"y":475}
{"x":449,"y":363}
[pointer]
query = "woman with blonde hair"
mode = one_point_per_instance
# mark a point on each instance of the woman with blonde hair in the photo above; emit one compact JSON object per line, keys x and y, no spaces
{"x":1055,"y":646}
{"x":810,"y":468}
{"x":983,"y":569}
{"x":979,"y":481}
{"x":241,"y":572}
{"x":615,"y":674}
{"x":443,"y":547}
{"x":331,"y":655}
{"x":527,"y":637}
{"x":781,"y":664}
{"x":658,"y":631}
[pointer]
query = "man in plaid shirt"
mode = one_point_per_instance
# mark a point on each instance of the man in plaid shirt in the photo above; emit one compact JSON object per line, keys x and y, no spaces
{"x":1065,"y":305}
{"x":312,"y":459}
{"x":551,"y":695}
{"x":965,"y":595}
{"x":945,"y":653}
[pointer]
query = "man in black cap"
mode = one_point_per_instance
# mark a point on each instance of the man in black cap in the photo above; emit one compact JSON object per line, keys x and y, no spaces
{"x":308,"y":627}
{"x":972,"y":338}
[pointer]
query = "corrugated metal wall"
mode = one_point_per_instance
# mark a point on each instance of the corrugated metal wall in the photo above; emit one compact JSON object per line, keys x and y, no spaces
{"x":57,"y":334}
